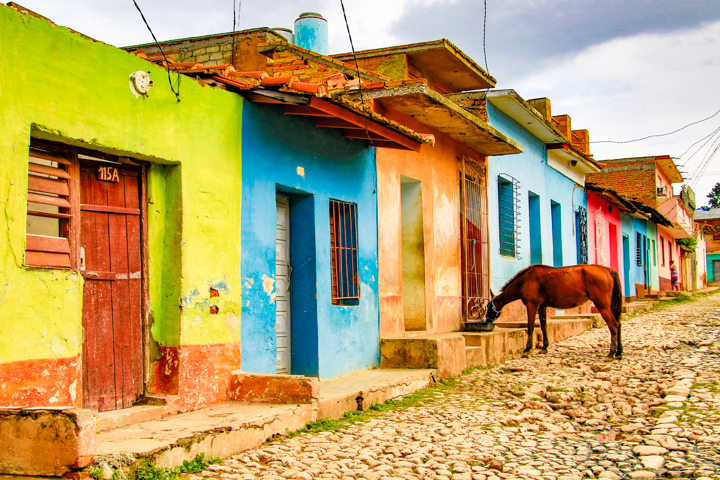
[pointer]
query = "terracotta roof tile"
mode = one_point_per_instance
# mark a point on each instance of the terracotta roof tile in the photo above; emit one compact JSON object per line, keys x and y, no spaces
{"x":278,"y":81}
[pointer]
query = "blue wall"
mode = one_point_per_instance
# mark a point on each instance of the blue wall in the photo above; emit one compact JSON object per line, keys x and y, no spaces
{"x":631,"y":226}
{"x":327,"y":340}
{"x":534,"y":175}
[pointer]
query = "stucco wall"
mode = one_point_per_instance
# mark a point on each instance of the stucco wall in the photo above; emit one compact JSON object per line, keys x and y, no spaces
{"x":599,"y":235}
{"x":290,"y":155}
{"x":438,"y":169}
{"x":60,"y":86}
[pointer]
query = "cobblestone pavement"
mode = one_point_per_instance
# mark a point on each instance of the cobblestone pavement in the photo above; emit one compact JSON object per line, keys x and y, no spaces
{"x":564,"y":415}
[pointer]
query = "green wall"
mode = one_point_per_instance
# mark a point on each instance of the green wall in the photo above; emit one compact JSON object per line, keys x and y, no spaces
{"x":58,"y":85}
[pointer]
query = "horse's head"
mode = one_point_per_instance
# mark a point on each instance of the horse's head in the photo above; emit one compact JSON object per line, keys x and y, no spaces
{"x":492,"y":312}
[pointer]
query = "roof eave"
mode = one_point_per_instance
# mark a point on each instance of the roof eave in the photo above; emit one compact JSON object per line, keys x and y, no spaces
{"x":429,"y":107}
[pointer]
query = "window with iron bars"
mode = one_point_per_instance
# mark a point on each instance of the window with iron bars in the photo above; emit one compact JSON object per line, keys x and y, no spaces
{"x":344,"y":253}
{"x":508,"y":215}
{"x":638,"y":252}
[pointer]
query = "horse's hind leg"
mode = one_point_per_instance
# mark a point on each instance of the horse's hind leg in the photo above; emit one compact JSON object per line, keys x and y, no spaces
{"x":543,"y":327}
{"x":614,"y":327}
{"x":619,"y":349}
{"x":531,"y":311}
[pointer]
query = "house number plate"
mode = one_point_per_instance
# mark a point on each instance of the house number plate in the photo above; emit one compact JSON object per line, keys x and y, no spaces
{"x":108,"y":174}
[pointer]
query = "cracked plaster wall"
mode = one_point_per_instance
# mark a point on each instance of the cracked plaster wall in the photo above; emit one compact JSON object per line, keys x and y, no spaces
{"x":82,"y":97}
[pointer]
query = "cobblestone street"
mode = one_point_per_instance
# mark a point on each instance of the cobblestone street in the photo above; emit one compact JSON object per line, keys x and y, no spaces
{"x":565,"y":415}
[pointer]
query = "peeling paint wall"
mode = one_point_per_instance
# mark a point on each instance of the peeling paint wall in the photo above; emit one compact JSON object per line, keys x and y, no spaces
{"x":289,"y":155}
{"x":437,"y":168}
{"x":81,"y":96}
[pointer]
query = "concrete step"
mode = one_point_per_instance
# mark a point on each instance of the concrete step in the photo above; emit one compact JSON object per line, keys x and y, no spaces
{"x":227,"y":429}
{"x":502,"y":344}
{"x":637,"y":306}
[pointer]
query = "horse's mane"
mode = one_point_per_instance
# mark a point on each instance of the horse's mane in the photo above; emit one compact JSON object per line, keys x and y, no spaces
{"x":515,"y":277}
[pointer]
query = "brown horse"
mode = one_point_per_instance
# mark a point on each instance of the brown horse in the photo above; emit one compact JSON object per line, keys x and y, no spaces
{"x":540,"y":286}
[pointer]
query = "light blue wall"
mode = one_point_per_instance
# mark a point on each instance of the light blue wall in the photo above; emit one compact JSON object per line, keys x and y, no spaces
{"x":531,"y":170}
{"x":631,"y":227}
{"x":327,"y":340}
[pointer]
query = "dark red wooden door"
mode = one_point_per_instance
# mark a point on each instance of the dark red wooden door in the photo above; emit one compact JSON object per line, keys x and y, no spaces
{"x":111,"y":262}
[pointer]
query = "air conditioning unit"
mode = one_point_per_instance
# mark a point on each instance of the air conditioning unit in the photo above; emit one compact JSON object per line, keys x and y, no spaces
{"x":660,"y":191}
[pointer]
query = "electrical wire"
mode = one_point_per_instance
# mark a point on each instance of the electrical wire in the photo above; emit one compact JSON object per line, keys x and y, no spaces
{"x":661,"y":134}
{"x":357,"y":68}
{"x":688,"y":149}
{"x":167,"y":62}
{"x":236,"y":15}
{"x":484,"y":30}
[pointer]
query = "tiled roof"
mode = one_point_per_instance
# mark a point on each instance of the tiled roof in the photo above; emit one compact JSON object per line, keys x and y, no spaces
{"x":259,"y":83}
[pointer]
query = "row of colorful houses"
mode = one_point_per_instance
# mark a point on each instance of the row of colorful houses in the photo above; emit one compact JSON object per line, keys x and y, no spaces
{"x":274,"y":209}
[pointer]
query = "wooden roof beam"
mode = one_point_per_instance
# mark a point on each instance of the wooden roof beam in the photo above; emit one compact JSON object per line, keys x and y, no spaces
{"x":358,"y":120}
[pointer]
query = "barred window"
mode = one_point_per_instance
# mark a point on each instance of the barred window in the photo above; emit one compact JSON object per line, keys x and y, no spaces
{"x":508,"y":214}
{"x":654,"y":253}
{"x":638,"y":254}
{"x":344,"y":253}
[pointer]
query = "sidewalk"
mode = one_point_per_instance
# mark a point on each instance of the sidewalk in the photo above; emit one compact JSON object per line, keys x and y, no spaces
{"x":226,"y":429}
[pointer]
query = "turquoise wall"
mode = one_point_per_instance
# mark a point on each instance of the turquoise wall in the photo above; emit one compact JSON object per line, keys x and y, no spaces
{"x":290,"y":155}
{"x":631,"y":227}
{"x":534,"y":175}
{"x":710,"y":258}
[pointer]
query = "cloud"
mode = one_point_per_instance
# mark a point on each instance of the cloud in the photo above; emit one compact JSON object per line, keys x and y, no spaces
{"x":636,"y":86}
{"x":525,"y":35}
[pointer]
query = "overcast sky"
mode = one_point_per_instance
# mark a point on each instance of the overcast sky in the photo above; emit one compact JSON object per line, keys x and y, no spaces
{"x":621,"y":69}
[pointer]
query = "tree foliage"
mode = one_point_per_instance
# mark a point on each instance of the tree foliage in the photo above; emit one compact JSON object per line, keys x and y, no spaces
{"x":714,"y":197}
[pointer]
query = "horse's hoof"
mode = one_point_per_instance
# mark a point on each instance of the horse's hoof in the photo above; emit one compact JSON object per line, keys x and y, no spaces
{"x":543,"y":351}
{"x":618,"y":357}
{"x":609,"y":358}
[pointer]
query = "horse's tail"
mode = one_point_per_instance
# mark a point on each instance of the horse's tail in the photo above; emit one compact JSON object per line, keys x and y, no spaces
{"x":616,"y":299}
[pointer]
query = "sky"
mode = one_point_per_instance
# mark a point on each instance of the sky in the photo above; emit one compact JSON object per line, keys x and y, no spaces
{"x":621,"y":69}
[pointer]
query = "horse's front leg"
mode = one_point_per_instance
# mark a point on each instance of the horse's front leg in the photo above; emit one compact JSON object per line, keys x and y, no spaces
{"x":543,"y":327}
{"x":531,"y":311}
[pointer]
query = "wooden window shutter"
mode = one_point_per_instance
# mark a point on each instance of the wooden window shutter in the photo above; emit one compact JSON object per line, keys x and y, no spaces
{"x":48,"y":207}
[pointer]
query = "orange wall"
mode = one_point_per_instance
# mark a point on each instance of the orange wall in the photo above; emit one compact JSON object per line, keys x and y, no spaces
{"x":437,"y":167}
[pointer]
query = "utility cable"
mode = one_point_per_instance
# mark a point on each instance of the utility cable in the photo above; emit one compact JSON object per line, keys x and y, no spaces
{"x":236,"y":15}
{"x":177,"y":93}
{"x":357,"y":68}
{"x":661,"y":134}
{"x":688,"y":149}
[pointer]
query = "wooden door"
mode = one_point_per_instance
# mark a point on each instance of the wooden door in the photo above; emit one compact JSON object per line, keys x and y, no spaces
{"x":282,"y":287}
{"x":111,"y":263}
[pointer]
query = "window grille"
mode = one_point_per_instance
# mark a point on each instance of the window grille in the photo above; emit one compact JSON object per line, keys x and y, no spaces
{"x":49,"y":213}
{"x":344,"y":253}
{"x":638,"y":254}
{"x":582,"y":235}
{"x":654,"y":253}
{"x":509,"y":215}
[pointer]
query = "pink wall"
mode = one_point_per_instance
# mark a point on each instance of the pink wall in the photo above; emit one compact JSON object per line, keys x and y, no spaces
{"x":672,"y":250}
{"x":604,"y":234}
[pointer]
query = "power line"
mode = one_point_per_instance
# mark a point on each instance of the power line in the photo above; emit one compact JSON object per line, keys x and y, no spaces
{"x":357,"y":68}
{"x":177,"y":94}
{"x":484,"y":30}
{"x":661,"y":134}
{"x":688,"y":149}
